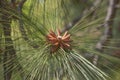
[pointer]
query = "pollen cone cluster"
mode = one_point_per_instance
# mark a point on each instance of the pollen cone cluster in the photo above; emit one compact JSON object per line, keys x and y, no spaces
{"x":57,"y":41}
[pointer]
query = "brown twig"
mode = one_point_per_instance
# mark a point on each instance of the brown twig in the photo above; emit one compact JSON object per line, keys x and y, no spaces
{"x":21,"y":3}
{"x":71,"y":24}
{"x":107,"y":35}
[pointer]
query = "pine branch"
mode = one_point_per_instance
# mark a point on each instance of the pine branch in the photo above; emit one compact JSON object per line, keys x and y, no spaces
{"x":9,"y":54}
{"x":108,"y":24}
{"x":21,"y":25}
{"x":76,"y":20}
{"x":107,"y":35}
{"x":8,"y":59}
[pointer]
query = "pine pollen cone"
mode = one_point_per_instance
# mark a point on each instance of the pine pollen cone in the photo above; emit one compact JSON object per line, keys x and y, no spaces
{"x":57,"y":41}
